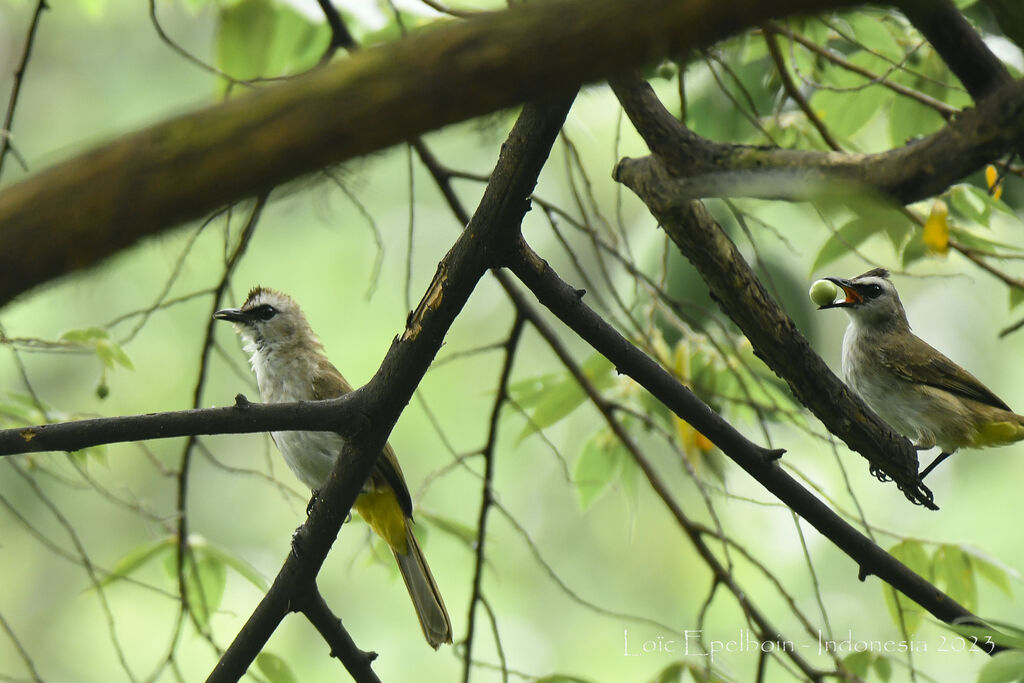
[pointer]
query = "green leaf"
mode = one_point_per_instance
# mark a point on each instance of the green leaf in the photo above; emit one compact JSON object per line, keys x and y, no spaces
{"x":243,"y":34}
{"x":298,"y":42}
{"x":560,"y":394}
{"x":953,"y":570}
{"x":845,"y":114}
{"x":989,"y":570}
{"x":912,"y":554}
{"x":87,"y":336}
{"x":629,"y":475}
{"x":205,"y":580}
{"x":22,"y":409}
{"x":598,"y":465}
{"x":883,"y":667}
{"x":898,"y":232}
{"x":111,"y":354}
{"x":914,"y":250}
{"x":859,"y":663}
{"x":243,"y":568}
{"x":845,"y":110}
{"x":909,"y":119}
{"x":673,"y":673}
{"x":463,"y":532}
{"x":989,"y":201}
{"x":205,"y":577}
{"x":97,"y":454}
{"x":274,"y":668}
{"x":844,"y":240}
{"x":528,"y":393}
{"x":1005,"y":667}
{"x":976,"y":241}
{"x":261,"y":38}
{"x":1016,"y":296}
{"x":968,"y":204}
{"x":870,"y":29}
{"x":1010,"y":637}
{"x":138,"y":558}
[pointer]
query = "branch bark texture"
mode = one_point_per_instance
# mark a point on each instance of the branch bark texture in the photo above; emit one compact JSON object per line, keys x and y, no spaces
{"x":567,"y":305}
{"x":500,"y":214}
{"x":770,"y":330}
{"x":691,"y":167}
{"x":80,"y":211}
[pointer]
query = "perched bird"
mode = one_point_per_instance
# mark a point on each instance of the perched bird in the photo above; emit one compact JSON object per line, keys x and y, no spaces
{"x":922,"y":394}
{"x":290,"y":365}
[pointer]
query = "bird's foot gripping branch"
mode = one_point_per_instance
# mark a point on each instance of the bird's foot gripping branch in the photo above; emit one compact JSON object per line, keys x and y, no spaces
{"x":780,"y":345}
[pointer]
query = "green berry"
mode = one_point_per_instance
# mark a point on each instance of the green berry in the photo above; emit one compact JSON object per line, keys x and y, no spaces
{"x":823,"y":292}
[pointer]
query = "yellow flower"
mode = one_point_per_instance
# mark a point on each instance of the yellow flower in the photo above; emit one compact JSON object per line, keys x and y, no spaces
{"x":995,"y":185}
{"x":936,"y":228}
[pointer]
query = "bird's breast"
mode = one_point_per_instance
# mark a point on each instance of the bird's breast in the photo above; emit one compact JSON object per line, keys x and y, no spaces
{"x":282,"y":378}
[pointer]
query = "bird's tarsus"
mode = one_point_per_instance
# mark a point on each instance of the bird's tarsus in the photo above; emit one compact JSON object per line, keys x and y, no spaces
{"x":935,"y":463}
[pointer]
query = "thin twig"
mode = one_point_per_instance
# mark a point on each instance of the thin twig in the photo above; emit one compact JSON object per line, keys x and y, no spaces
{"x":19,"y":76}
{"x":944,"y":110}
{"x":486,"y":492}
{"x":770,"y":39}
{"x":184,"y":557}
{"x":20,"y":649}
{"x":340,"y":35}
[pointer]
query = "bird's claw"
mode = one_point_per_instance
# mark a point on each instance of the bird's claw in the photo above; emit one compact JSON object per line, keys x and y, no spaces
{"x":312,"y":502}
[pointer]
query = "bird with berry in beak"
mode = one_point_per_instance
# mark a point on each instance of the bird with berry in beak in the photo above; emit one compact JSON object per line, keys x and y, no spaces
{"x":920,"y":392}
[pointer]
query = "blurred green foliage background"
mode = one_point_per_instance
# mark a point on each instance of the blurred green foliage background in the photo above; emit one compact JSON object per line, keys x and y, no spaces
{"x":586,"y":572}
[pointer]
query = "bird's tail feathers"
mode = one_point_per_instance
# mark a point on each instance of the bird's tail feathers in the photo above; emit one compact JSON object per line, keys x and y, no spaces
{"x":1002,"y":431}
{"x":426,"y":598}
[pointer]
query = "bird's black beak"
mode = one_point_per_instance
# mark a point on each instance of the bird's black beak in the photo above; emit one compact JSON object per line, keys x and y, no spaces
{"x":849,"y":289}
{"x":234,"y":315}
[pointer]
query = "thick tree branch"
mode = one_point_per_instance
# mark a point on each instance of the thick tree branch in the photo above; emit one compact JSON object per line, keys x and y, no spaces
{"x":771,"y":332}
{"x":357,"y":662}
{"x":535,"y":273}
{"x":959,"y":45}
{"x":345,"y":415}
{"x":78,"y":212}
{"x":496,"y":220}
{"x":566,"y":303}
{"x":723,"y":574}
{"x":1009,"y":17}
{"x":689,"y":167}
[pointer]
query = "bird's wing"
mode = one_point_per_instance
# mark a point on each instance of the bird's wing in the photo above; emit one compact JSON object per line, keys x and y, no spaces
{"x":387,"y":467}
{"x":328,"y":383}
{"x":917,"y":361}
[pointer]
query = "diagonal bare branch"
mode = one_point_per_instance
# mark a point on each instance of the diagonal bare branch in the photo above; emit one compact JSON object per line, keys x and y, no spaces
{"x":567,"y":305}
{"x":487,"y":237}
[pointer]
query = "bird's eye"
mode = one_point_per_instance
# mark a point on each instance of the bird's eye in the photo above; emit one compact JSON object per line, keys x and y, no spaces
{"x":264,"y":312}
{"x":872,"y":291}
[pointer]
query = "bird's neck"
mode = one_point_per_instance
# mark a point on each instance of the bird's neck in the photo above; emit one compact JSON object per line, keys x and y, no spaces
{"x":879,"y":326}
{"x":283,"y":369}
